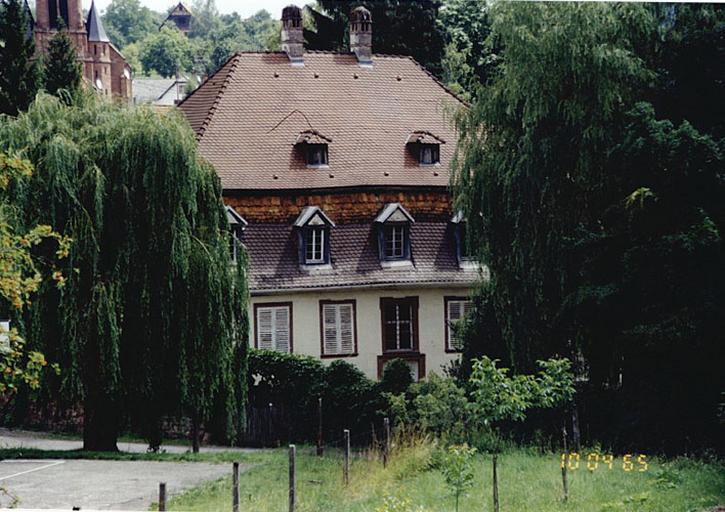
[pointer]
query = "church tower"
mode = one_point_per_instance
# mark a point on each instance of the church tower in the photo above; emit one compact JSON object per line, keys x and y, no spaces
{"x":103,"y":66}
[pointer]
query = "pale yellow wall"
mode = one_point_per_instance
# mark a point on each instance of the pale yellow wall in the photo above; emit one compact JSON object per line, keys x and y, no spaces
{"x":306,"y":323}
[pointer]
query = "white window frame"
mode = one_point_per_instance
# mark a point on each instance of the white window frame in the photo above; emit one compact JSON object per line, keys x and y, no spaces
{"x":465,"y":307}
{"x":315,"y":246}
{"x":276,"y":341}
{"x":336,"y":334}
{"x":394,"y":239}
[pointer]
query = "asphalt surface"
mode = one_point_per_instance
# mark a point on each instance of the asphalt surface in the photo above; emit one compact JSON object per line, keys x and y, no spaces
{"x":95,"y":484}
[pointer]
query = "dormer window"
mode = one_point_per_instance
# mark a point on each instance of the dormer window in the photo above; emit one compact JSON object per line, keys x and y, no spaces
{"x":464,"y":248}
{"x":237,"y":224}
{"x":314,"y":147}
{"x":315,"y":245}
{"x":313,"y":236}
{"x":394,"y":233}
{"x":429,"y":154}
{"x":317,"y":154}
{"x":425,"y":147}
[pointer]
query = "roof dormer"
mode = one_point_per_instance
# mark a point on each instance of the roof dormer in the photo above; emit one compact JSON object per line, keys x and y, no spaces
{"x":425,"y":147}
{"x":314,"y":148}
{"x":394,"y":234}
{"x":313,"y":236}
{"x":237,"y":225}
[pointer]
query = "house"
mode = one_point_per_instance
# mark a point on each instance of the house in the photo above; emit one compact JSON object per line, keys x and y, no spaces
{"x":161,"y":93}
{"x":335,"y":169}
{"x":103,"y":66}
{"x":180,"y":17}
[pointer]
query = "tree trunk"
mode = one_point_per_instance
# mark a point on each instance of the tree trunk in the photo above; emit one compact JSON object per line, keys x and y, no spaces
{"x":575,"y":434}
{"x":100,"y":425}
{"x":195,"y":433}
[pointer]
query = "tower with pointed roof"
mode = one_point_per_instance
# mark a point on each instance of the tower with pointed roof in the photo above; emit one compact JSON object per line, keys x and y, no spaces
{"x":104,"y":67}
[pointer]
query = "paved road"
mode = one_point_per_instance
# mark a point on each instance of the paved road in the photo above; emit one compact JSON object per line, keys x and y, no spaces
{"x":96,"y":484}
{"x":27,"y":439}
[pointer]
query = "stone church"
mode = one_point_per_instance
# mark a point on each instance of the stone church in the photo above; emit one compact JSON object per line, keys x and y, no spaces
{"x":103,"y":66}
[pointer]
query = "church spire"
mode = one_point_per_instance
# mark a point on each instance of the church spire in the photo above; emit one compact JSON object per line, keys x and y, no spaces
{"x":94,"y":26}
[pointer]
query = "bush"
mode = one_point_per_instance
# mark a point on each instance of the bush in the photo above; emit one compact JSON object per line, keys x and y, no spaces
{"x":294,"y":383}
{"x":396,"y":377}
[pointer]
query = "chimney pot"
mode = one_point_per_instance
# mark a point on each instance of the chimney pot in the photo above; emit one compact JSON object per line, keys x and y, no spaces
{"x":293,"y":42}
{"x":361,"y":35}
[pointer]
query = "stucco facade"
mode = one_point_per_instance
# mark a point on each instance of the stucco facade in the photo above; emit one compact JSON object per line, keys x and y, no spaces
{"x":306,"y":325}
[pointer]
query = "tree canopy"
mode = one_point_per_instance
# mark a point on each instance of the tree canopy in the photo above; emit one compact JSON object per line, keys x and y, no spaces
{"x":19,"y":75}
{"x":601,"y":221}
{"x":151,"y":320}
{"x":61,"y":68}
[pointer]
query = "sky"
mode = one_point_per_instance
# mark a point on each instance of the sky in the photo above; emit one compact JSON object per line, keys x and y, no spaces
{"x":245,"y":8}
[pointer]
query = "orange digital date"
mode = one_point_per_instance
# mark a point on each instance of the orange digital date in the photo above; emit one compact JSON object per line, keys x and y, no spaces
{"x":593,"y":460}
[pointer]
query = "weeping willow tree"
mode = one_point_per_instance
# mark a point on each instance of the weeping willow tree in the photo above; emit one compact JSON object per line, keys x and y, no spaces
{"x":152,"y":318}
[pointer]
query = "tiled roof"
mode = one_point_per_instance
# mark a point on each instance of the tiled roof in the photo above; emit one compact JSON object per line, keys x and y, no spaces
{"x":274,"y":264}
{"x":249,"y":114}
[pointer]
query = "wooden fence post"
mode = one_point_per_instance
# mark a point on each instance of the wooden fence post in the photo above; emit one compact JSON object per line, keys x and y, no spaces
{"x":292,"y":479}
{"x":235,"y":487}
{"x":319,"y":427}
{"x":495,"y":483}
{"x":162,"y":496}
{"x":386,"y":446}
{"x":346,"y":461}
{"x":564,"y":462}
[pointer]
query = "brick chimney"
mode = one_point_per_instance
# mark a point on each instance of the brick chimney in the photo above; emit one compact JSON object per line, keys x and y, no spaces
{"x":293,"y":42}
{"x":361,"y":35}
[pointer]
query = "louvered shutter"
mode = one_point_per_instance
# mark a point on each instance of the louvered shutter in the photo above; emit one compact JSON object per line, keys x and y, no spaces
{"x":457,"y":310}
{"x":338,"y":324}
{"x":273,"y":328}
{"x":264,"y":328}
{"x":346,"y":330}
{"x":282,"y":329}
{"x":329,"y":313}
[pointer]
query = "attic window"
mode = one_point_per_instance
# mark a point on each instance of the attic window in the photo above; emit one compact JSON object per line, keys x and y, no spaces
{"x":464,"y":247}
{"x":425,"y":147}
{"x":315,"y":147}
{"x":313,"y":236}
{"x":394,"y":233}
{"x":429,"y":154}
{"x":317,"y":154}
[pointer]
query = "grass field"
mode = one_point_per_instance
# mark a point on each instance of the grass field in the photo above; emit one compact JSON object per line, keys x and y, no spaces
{"x":528,"y":481}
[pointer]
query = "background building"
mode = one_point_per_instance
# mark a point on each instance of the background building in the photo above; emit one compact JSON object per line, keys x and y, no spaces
{"x":335,"y":168}
{"x":102,"y":64}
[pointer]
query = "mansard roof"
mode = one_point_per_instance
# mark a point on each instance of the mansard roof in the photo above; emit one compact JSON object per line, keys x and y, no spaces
{"x":247,"y":115}
{"x":274,"y":264}
{"x":94,"y":26}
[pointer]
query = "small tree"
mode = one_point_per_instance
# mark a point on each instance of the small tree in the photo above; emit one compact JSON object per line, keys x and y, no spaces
{"x":19,"y":77}
{"x":498,"y":397}
{"x":458,"y":470}
{"x":62,"y":68}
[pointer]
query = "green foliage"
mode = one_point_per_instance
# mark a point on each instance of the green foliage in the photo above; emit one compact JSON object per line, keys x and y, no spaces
{"x":457,"y":470}
{"x":396,"y":377}
{"x":442,"y":408}
{"x":128,"y":22}
{"x":20,"y":76}
{"x":602,"y":222}
{"x":21,"y":274}
{"x":62,"y":70}
{"x":167,"y":52}
{"x":497,"y":396}
{"x":399,"y":28}
{"x":294,"y":383}
{"x":151,"y":320}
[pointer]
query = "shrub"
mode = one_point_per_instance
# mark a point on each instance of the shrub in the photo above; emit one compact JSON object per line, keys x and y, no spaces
{"x":396,"y":377}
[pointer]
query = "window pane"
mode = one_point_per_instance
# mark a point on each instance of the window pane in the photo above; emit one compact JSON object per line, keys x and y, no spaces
{"x":406,"y":336}
{"x":314,"y":245}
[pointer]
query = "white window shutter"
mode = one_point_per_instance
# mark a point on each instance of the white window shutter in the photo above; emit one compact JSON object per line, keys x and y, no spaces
{"x":282,"y":329}
{"x":330,"y":329}
{"x":346,"y":332}
{"x":264,"y":328}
